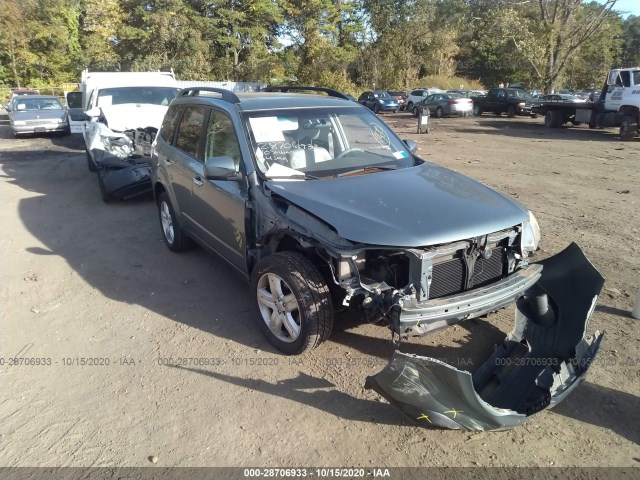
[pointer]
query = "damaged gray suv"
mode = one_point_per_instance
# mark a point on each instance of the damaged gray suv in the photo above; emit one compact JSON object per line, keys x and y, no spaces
{"x":319,"y":204}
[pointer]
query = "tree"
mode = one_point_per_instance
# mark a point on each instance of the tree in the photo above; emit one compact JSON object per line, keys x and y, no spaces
{"x":561,"y":26}
{"x":14,"y":40}
{"x":631,"y":36}
{"x":100,"y":22}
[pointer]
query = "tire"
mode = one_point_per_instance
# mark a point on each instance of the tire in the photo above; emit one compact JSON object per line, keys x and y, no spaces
{"x":511,"y":111}
{"x":477,"y":110}
{"x":575,"y":123}
{"x":439,"y":112}
{"x":394,"y":111}
{"x":376,"y":109}
{"x":311,"y":314}
{"x":415,"y":111}
{"x":409,"y":106}
{"x":497,"y":114}
{"x":552,"y":119}
{"x":628,"y":128}
{"x":90,"y":165}
{"x":177,"y":241}
{"x":106,"y":196}
{"x":534,"y":115}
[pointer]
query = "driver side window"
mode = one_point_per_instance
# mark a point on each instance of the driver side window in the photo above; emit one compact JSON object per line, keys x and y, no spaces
{"x":221,"y":138}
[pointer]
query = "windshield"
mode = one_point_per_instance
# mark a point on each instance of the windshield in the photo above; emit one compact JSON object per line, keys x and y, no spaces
{"x":381,"y":95}
{"x":26,"y":104}
{"x":145,"y":95}
{"x":323,"y":142}
{"x":518,"y":93}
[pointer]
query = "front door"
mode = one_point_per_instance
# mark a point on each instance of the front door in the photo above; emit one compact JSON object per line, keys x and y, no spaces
{"x":218,"y":206}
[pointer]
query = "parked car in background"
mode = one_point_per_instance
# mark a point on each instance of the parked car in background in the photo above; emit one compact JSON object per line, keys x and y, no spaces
{"x":38,"y":114}
{"x":17,"y":93}
{"x":125,"y":111}
{"x":512,"y":101}
{"x":444,"y":104}
{"x":420,"y":94}
{"x":379,"y":101}
{"x":401,"y":97}
{"x":468,"y":93}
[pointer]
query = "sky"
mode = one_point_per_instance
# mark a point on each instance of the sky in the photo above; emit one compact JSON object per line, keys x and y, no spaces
{"x":632,"y":7}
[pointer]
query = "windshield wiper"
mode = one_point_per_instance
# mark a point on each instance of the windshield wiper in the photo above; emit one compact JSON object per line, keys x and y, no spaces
{"x":306,"y":176}
{"x":364,"y":169}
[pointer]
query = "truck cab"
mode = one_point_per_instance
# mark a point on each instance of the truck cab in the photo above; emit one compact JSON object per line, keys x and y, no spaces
{"x":622,"y":96}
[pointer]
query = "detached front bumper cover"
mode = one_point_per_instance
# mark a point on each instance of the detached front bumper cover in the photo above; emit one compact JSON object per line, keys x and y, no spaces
{"x":545,"y":356}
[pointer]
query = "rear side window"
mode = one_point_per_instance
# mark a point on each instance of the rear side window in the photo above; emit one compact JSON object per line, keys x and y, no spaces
{"x":170,"y":122}
{"x":190,"y":129}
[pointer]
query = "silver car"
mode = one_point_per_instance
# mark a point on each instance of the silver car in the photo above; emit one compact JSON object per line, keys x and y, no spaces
{"x":38,"y":114}
{"x":444,"y":104}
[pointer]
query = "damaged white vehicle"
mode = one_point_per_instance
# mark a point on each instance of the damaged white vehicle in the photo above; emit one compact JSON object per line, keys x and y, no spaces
{"x":125,"y":111}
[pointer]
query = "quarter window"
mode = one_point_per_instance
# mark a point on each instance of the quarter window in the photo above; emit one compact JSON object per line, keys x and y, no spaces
{"x":190,"y":130}
{"x":170,"y":122}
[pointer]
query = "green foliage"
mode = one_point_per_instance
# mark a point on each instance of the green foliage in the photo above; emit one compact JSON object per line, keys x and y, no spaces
{"x":346,"y":44}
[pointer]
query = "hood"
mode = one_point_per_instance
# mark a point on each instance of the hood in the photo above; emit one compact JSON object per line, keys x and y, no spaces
{"x":410,"y":207}
{"x":129,"y":116}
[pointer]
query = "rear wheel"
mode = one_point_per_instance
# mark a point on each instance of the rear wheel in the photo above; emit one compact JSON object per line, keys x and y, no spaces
{"x":553,"y":119}
{"x":439,"y":112}
{"x":511,"y":111}
{"x":628,"y":128}
{"x":294,"y":305}
{"x":174,"y":237}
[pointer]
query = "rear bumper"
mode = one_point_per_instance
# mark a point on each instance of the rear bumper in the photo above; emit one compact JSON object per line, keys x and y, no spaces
{"x":45,"y":128}
{"x":419,"y":318}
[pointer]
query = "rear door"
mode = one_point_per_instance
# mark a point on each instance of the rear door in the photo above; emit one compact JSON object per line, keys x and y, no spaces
{"x":218,"y":206}
{"x":186,"y":157}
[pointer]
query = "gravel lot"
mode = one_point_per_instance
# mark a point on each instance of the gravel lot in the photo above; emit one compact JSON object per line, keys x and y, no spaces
{"x":81,"y":278}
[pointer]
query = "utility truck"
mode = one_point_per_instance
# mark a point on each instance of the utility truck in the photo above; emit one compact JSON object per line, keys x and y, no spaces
{"x":124,"y":112}
{"x":618,"y":106}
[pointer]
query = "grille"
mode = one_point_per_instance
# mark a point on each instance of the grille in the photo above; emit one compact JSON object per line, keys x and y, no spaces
{"x":448,"y":277}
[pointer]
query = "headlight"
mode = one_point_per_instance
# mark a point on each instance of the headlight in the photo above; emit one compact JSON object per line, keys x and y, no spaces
{"x":521,"y":104}
{"x":381,"y":101}
{"x":530,"y":238}
{"x":19,"y":122}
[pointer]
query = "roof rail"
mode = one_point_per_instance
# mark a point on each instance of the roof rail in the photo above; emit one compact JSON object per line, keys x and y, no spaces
{"x":226,"y":95}
{"x":286,"y":88}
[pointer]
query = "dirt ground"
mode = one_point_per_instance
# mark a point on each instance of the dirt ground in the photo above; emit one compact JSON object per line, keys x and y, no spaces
{"x":81,"y":278}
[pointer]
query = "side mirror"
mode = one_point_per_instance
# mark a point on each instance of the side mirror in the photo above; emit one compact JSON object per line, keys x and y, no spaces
{"x":93,"y":112}
{"x":220,"y":168}
{"x":411,"y":145}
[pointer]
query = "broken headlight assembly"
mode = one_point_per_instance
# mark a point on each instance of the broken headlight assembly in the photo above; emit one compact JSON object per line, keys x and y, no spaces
{"x":530,"y":236}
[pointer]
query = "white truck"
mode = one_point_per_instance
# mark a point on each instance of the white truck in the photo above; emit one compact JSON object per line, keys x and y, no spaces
{"x":125,"y":111}
{"x":618,"y":106}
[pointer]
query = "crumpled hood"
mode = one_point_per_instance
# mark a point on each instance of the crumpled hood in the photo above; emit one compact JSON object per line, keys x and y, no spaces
{"x":410,"y":207}
{"x":129,"y":116}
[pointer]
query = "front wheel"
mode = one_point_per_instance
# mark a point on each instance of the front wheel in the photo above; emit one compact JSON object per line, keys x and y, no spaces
{"x":628,"y":128}
{"x":439,"y":112}
{"x":477,"y":111}
{"x":376,"y":109}
{"x":511,"y":111}
{"x":294,"y":306}
{"x":415,"y":111}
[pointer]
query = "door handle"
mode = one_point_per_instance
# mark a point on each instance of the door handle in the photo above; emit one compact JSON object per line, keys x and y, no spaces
{"x":166,"y":162}
{"x":198,"y":181}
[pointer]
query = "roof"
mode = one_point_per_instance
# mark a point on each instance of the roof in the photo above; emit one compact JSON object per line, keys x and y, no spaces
{"x":274,"y":100}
